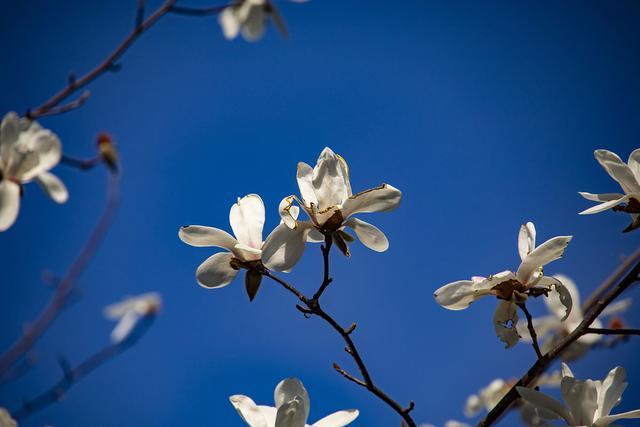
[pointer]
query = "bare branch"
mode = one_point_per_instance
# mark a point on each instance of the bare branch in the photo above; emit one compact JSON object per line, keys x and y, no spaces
{"x":65,"y":287}
{"x":326,"y":281}
{"x":71,"y":376}
{"x":609,"y":331}
{"x":193,"y":11}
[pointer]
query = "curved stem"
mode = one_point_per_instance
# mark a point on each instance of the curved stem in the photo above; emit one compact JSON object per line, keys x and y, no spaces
{"x":65,"y":287}
{"x":532,"y":330}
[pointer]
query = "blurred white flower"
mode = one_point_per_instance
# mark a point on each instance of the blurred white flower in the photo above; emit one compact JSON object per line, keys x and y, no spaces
{"x":247,"y":221}
{"x":291,"y":410}
{"x":27,"y":153}
{"x":250,"y":18}
{"x":587,"y":403}
{"x":330,"y":204}
{"x":129,"y":312}
{"x":628,"y":176}
{"x":511,"y":288}
{"x":551,"y":328}
{"x":6,"y":420}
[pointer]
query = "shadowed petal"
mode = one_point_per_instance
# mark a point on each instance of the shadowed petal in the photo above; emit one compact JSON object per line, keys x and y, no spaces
{"x":369,"y":235}
{"x":216,"y":271}
{"x":53,"y":186}
{"x":9,"y":203}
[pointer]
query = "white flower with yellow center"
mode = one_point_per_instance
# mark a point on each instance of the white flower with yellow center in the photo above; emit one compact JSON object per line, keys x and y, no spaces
{"x":291,"y":410}
{"x":27,"y":153}
{"x":327,"y":199}
{"x":587,"y":403}
{"x":512,"y":288}
{"x":625,"y":174}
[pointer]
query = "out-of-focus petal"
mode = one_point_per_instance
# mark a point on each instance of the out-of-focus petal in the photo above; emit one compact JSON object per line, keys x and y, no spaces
{"x":53,"y":186}
{"x":9,"y":203}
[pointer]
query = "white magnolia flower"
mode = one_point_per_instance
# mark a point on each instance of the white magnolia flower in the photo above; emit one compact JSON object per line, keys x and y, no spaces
{"x":6,"y":420}
{"x":129,"y":312}
{"x":587,"y":403}
{"x":330,"y":204}
{"x":551,"y":328}
{"x":27,"y":152}
{"x":511,"y":288}
{"x":250,"y":18}
{"x":628,"y":176}
{"x":245,"y":250}
{"x":291,"y":410}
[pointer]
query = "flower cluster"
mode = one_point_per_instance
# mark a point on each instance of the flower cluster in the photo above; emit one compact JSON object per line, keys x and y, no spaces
{"x":326,"y":199}
{"x":512,"y":288}
{"x":27,"y":153}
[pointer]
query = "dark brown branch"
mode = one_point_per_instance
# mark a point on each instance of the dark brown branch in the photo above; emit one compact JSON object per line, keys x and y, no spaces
{"x":74,"y":84}
{"x":192,"y":11}
{"x":65,"y":287}
{"x":609,"y":331}
{"x":532,"y":330}
{"x":82,"y":164}
{"x":543,"y":363}
{"x":326,"y":280}
{"x":313,"y":308}
{"x":71,"y":376}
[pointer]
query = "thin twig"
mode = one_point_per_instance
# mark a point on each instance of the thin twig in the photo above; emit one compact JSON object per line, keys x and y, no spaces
{"x":69,"y":106}
{"x":326,"y":280}
{"x":109,"y":63}
{"x":543,"y":363}
{"x":532,"y":330}
{"x":192,"y":11}
{"x":313,"y":308}
{"x":65,"y":287}
{"x":82,"y":164}
{"x":609,"y":331}
{"x":71,"y":376}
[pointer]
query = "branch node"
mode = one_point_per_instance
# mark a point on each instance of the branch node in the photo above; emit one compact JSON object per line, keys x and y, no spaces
{"x":409,"y":408}
{"x":350,"y":329}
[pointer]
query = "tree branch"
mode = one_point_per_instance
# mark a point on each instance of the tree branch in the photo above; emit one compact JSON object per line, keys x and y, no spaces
{"x":313,"y":308}
{"x":609,"y":331}
{"x":65,"y":287}
{"x":71,"y":376}
{"x":532,"y":330}
{"x":543,"y":363}
{"x":50,"y":106}
{"x":192,"y":11}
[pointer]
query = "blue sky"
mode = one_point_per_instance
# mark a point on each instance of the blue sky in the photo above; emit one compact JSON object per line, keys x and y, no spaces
{"x":485,"y":115}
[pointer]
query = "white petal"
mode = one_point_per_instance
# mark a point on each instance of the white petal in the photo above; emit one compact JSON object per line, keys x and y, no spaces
{"x":53,"y":186}
{"x":380,"y":199}
{"x":473,"y":406}
{"x":288,"y":212}
{"x":549,"y":251}
{"x":248,"y":411}
{"x":606,"y":205}
{"x":369,"y":235}
{"x":9,"y":132}
{"x":304,"y":175}
{"x":125,"y":326}
{"x":229,"y":22}
{"x":291,"y":414}
{"x":634,"y":163}
{"x":606,"y":421}
{"x":6,"y":420}
{"x":246,"y":253}
{"x":618,"y":170}
{"x":330,"y":182}
{"x":459,"y":295}
{"x":9,"y":203}
{"x":338,"y":419}
{"x":216,"y":271}
{"x":247,"y":220}
{"x":284,"y":247}
{"x":611,"y":392}
{"x":254,"y":24}
{"x":505,"y":320}
{"x":581,"y":398}
{"x":606,"y":197}
{"x":287,"y":390}
{"x":202,"y":236}
{"x":526,"y":239}
{"x":43,"y":146}
{"x":559,"y":301}
{"x":544,"y":402}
